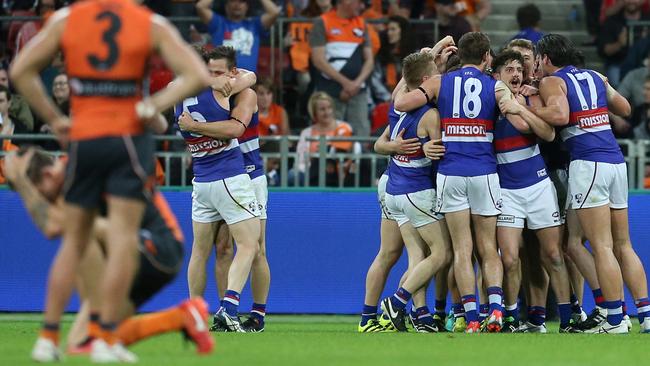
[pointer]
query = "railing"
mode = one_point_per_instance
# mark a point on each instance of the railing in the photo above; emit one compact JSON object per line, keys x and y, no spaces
{"x":325,"y":169}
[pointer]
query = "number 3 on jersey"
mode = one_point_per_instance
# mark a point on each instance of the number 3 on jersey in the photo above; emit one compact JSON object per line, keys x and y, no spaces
{"x":106,"y":63}
{"x":472,"y":99}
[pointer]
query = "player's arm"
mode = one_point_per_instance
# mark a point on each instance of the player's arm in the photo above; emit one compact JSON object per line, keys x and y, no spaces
{"x":430,"y":126}
{"x":37,"y":55}
{"x":616,"y":103}
{"x":532,"y":123}
{"x":400,"y":89}
{"x":271,"y":13}
{"x":158,"y":124}
{"x":204,"y":10}
{"x":192,"y":74}
{"x":243,"y":79}
{"x":556,"y":109}
{"x":220,"y":130}
{"x":385,"y":146}
{"x":245,"y":107}
{"x":418,"y":97}
{"x":47,"y":216}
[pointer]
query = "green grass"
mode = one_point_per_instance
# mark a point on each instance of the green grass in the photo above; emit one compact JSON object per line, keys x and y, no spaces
{"x":332,"y":340}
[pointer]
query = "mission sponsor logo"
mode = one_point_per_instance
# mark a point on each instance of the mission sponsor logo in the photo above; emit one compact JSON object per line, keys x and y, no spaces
{"x":593,"y":121}
{"x":464,"y":129}
{"x":207,"y":145}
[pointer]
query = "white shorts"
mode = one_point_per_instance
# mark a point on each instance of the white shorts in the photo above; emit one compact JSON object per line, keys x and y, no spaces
{"x":481,"y":194}
{"x":231,"y":199}
{"x":594,"y":184}
{"x":536,"y":206}
{"x":418,"y":208}
{"x":381,"y":195}
{"x":261,"y":194}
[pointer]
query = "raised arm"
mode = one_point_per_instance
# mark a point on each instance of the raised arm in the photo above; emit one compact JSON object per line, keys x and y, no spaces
{"x":417,"y":98}
{"x":243,"y":79}
{"x":556,"y":109}
{"x":204,"y":10}
{"x":271,"y":13}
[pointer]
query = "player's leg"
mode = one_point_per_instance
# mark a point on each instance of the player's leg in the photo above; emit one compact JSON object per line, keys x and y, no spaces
{"x":225,"y":252}
{"x":456,"y":322}
{"x":442,"y":289}
{"x":416,"y":251}
{"x":204,"y":234}
{"x":510,"y":239}
{"x":631,"y":266}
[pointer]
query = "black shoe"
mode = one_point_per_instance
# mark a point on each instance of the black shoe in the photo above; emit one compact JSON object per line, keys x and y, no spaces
{"x":253,"y":325}
{"x":439,"y":323}
{"x":427,"y":328}
{"x":570,"y":329}
{"x":510,"y":325}
{"x":597,"y":318}
{"x":225,"y":323}
{"x":395,"y":315}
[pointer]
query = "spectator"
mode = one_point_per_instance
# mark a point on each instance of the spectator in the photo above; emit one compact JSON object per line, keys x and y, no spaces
{"x":475,"y":11}
{"x":235,"y":30}
{"x":592,"y":15}
{"x":7,"y":127}
{"x":273,"y":118}
{"x":641,"y":114}
{"x":44,"y":8}
{"x":450,"y":23}
{"x":632,"y":86}
{"x":613,"y":42}
{"x":19,"y":111}
{"x":396,"y":44}
{"x":321,"y":112}
{"x":528,"y":18}
{"x":342,"y":56}
{"x":297,"y":39}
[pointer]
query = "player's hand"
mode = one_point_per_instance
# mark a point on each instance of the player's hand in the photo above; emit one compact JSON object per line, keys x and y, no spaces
{"x":15,"y":166}
{"x":434,"y":149}
{"x":185,"y":122}
{"x":441,"y":45}
{"x":509,"y":106}
{"x":406,"y":146}
{"x":61,"y":129}
{"x":528,"y":90}
{"x":223,"y":85}
{"x":443,"y":57}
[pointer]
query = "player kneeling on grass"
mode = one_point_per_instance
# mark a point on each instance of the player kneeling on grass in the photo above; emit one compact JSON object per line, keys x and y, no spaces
{"x":38,"y":178}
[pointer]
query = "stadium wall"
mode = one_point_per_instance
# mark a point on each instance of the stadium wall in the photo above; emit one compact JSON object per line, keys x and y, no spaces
{"x":319,"y":244}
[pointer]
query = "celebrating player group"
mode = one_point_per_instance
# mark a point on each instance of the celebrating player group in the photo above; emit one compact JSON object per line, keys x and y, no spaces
{"x":508,"y":162}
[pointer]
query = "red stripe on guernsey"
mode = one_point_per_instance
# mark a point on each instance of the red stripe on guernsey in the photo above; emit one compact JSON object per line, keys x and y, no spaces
{"x":489,"y":124}
{"x":590,"y":118}
{"x":249,"y":133}
{"x":514,"y":142}
{"x":193,"y":140}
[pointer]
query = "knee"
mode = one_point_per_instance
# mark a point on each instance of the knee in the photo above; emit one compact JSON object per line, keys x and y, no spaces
{"x":510,"y":262}
{"x":224,"y":249}
{"x":388,"y":257}
{"x":553,"y":257}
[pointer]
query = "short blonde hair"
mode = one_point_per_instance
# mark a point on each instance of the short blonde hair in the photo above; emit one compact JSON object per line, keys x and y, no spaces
{"x":311,"y":105}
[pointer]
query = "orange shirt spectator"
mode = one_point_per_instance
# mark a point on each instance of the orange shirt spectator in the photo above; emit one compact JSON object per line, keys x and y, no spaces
{"x":273,"y":117}
{"x":7,"y":146}
{"x":298,"y":36}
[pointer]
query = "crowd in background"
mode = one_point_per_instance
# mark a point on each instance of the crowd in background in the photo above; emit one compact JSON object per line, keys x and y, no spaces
{"x":327,"y":89}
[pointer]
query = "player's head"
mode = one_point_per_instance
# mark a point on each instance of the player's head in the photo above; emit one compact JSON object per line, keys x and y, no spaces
{"x":236,"y":9}
{"x":44,"y":171}
{"x":527,"y":50}
{"x":222,"y":60}
{"x":528,"y":16}
{"x":555,"y":51}
{"x":474,"y":49}
{"x":416,"y":68}
{"x":508,"y":66}
{"x":320,"y":107}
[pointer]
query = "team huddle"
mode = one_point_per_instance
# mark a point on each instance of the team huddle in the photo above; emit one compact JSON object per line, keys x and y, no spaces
{"x":468,"y":183}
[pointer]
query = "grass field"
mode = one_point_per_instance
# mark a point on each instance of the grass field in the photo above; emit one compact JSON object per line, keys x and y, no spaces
{"x":332,"y":340}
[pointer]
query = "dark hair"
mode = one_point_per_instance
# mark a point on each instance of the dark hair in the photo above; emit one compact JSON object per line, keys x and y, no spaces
{"x":311,"y":10}
{"x":559,"y":50}
{"x":265,"y":82}
{"x":405,"y":46}
{"x":528,"y":16}
{"x":504,"y":57}
{"x":201,"y":51}
{"x":472,"y":47}
{"x":453,"y":63}
{"x":223,"y":52}
{"x":4,"y":89}
{"x":40,"y":160}
{"x":415,"y":66}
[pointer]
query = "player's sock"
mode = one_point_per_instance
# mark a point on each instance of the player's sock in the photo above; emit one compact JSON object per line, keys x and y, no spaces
{"x":440,"y":308}
{"x":469,"y":304}
{"x":624,"y":307}
{"x":495,"y":297}
{"x":598,"y":297}
{"x":50,"y":331}
{"x":369,"y":313}
{"x":230,"y":302}
{"x":614,"y":312}
{"x":424,"y":315}
{"x":512,"y":311}
{"x":401,"y":298}
{"x":458,"y":310}
{"x":575,"y":304}
{"x":413,"y":312}
{"x":258,"y":311}
{"x":483,"y":311}
{"x":565,"y":314}
{"x":94,"y":329}
{"x":537,"y":315}
{"x":109,"y":332}
{"x":137,"y":328}
{"x":642,"y":308}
